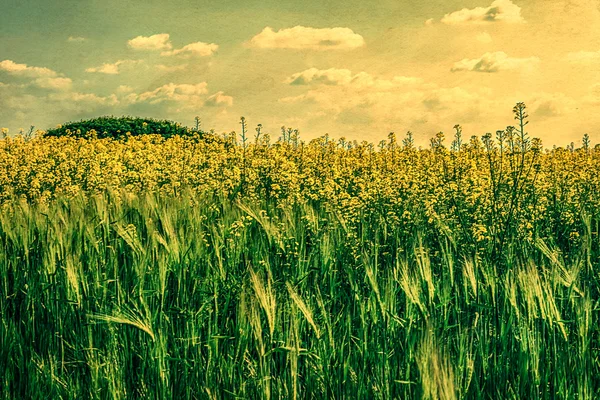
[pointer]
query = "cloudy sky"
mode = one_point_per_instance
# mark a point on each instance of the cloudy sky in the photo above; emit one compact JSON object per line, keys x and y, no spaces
{"x":351,"y":68}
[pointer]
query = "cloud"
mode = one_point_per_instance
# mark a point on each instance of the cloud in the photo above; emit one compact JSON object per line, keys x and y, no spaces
{"x":219,"y":99}
{"x":429,"y":22}
{"x":499,"y":11}
{"x":367,"y":81}
{"x":154,"y":42}
{"x":54,"y":83}
{"x":356,"y":115}
{"x":183,"y":93}
{"x":19,"y":102}
{"x":61,"y":104}
{"x":76,"y":39}
{"x":72,"y":104}
{"x":443,"y":98}
{"x":176,"y":98}
{"x":14,"y":98}
{"x":199,"y":49}
{"x":24,"y":70}
{"x":428,"y":97}
{"x":311,"y":96}
{"x":484,"y":37}
{"x":584,"y":57}
{"x":114,"y":68}
{"x":86,"y":98}
{"x":330,"y":76}
{"x":304,"y":38}
{"x":43,"y":77}
{"x":344,"y":77}
{"x":494,"y":62}
{"x":171,"y":68}
{"x":423,"y":108}
{"x":124,"y":89}
{"x":546,"y":105}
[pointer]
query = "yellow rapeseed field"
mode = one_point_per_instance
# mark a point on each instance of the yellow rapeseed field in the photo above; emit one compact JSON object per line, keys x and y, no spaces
{"x":204,"y":266}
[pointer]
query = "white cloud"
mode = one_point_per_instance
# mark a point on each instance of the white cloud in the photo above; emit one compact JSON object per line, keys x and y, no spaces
{"x":176,"y":98}
{"x":344,"y":77}
{"x":43,"y":77}
{"x":124,"y":89}
{"x":311,"y":96}
{"x":584,"y":57}
{"x":199,"y":49}
{"x":89,"y":98}
{"x":24,"y":70}
{"x":495,"y":62}
{"x":429,"y":22}
{"x":425,"y":96}
{"x":302,"y":38}
{"x":54,"y":83}
{"x":364,"y":80}
{"x":154,"y":42}
{"x":18,"y":101}
{"x":70,"y":103}
{"x":443,"y":98}
{"x":219,"y":99}
{"x":76,"y":39}
{"x":483,"y":37}
{"x":171,"y":68}
{"x":114,"y":68}
{"x":330,"y":76}
{"x":183,"y":93}
{"x":546,"y":105}
{"x":499,"y":11}
{"x":424,"y":108}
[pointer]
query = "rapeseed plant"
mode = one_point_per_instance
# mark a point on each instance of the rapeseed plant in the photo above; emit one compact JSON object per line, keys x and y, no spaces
{"x":213,"y":267}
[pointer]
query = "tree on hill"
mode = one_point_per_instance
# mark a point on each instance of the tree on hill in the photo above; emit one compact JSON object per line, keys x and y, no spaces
{"x":118,"y":127}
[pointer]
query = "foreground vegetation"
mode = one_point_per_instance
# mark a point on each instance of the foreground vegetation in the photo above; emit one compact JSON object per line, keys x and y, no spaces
{"x":195,"y":268}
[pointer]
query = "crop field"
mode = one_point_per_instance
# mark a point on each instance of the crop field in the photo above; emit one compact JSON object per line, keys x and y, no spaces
{"x":207,"y":266}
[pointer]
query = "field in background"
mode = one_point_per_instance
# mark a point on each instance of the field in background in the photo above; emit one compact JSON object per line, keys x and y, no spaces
{"x":207,"y":267}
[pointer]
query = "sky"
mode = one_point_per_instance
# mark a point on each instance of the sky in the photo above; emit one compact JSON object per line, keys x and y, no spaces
{"x":353,"y":69}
